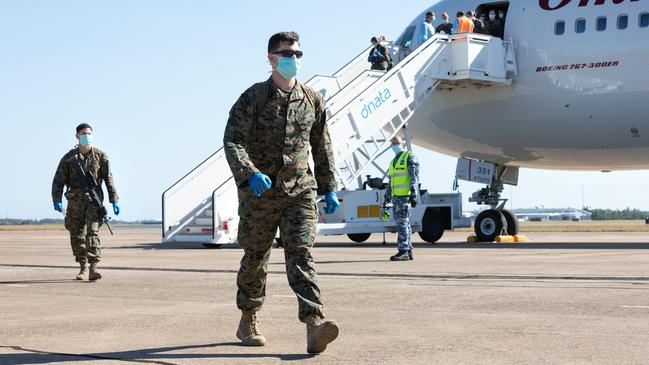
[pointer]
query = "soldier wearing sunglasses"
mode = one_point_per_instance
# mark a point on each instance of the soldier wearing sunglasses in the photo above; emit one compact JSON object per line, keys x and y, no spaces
{"x":271,"y":129}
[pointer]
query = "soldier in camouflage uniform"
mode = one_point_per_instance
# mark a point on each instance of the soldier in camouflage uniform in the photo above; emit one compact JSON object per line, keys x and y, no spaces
{"x":402,"y":191}
{"x":267,"y":139}
{"x":82,"y":217}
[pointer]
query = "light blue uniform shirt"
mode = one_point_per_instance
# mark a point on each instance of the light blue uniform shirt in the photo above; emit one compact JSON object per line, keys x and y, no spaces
{"x":426,"y":30}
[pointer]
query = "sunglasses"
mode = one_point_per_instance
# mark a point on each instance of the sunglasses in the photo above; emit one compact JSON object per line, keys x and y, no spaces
{"x":289,"y":53}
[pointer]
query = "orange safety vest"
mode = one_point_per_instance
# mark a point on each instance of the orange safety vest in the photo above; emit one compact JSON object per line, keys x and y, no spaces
{"x":464,"y":25}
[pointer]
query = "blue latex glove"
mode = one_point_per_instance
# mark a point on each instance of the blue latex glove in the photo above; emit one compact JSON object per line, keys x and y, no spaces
{"x":259,"y":183}
{"x":58,"y":206}
{"x":116,"y":208}
{"x":331,"y":203}
{"x":377,"y":53}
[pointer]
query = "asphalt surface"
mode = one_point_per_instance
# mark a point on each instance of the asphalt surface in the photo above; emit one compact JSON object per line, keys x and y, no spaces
{"x":564,"y":298}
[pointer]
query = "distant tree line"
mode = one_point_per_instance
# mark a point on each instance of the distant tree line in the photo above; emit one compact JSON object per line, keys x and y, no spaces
{"x":609,"y":214}
{"x":24,"y":222}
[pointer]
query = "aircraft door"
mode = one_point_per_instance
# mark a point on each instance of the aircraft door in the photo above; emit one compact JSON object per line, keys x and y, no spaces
{"x":495,"y":27}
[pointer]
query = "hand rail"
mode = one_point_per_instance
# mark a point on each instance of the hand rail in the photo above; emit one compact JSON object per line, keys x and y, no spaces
{"x":186,"y":204}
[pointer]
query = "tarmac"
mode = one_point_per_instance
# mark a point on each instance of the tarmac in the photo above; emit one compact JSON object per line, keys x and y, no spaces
{"x":563,"y":298}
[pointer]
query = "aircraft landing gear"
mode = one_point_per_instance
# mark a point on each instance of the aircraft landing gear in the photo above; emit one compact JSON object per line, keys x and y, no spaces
{"x":495,"y":221}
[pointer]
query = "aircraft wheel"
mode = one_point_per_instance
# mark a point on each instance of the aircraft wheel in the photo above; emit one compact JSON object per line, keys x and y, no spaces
{"x":432,"y":226}
{"x":512,"y":222}
{"x":359,"y":237}
{"x":489,"y":224}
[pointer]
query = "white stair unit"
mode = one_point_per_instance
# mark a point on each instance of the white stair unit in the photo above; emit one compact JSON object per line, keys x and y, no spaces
{"x":365,"y":109}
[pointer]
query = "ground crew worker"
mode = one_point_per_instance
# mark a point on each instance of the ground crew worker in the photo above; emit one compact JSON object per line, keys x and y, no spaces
{"x":462,"y":24}
{"x":82,"y":218}
{"x":266,"y":142}
{"x":402,"y":192}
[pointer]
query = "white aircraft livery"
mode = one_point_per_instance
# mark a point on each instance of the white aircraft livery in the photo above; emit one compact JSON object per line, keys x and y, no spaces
{"x":580,"y":100}
{"x":563,"y":84}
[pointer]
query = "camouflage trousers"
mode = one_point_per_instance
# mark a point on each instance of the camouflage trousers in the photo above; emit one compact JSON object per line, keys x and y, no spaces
{"x":296,"y":218}
{"x":82,"y":221}
{"x":401,"y":210}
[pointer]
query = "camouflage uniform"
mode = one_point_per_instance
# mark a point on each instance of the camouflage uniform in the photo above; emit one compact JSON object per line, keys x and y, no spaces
{"x":82,"y":217}
{"x":401,"y":209}
{"x":270,"y":131}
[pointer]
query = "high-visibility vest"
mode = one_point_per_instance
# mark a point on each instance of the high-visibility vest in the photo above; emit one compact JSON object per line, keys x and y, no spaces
{"x":399,"y":178}
{"x":465,"y":25}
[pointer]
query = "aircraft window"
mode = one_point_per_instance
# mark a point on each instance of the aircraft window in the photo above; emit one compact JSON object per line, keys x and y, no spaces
{"x":580,"y":25}
{"x":559,"y":27}
{"x":622,"y":21}
{"x":406,"y":39}
{"x":644,"y":20}
{"x":601,"y":24}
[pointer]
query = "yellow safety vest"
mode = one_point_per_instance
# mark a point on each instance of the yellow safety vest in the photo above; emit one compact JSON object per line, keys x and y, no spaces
{"x":399,"y":178}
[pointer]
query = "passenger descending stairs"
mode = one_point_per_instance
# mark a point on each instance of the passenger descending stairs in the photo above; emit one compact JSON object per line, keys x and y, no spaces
{"x":365,"y":109}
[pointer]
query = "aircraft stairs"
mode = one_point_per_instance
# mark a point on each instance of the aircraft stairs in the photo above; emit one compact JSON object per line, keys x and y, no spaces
{"x":365,"y":109}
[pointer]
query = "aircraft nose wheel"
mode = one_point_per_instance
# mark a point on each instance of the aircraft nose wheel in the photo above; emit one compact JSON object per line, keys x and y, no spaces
{"x":489,"y":224}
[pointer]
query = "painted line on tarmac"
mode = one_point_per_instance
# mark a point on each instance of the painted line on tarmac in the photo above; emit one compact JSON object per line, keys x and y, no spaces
{"x":360,"y":275}
{"x":635,"y":306}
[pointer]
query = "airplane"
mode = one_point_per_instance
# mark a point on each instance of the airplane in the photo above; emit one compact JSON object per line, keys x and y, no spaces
{"x":574,"y":99}
{"x":578,"y":101}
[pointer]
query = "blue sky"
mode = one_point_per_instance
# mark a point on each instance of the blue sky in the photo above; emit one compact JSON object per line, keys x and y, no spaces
{"x":156,"y":79}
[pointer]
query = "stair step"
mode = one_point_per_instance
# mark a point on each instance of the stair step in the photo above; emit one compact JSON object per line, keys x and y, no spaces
{"x":200,"y":238}
{"x":203,"y":221}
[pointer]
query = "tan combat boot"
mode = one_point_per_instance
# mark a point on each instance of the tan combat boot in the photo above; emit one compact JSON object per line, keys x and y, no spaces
{"x":319,"y":333}
{"x":83,"y":273}
{"x":94,"y":274}
{"x":248,"y":331}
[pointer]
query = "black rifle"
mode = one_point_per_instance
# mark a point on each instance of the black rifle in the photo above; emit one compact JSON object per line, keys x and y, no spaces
{"x":90,"y":184}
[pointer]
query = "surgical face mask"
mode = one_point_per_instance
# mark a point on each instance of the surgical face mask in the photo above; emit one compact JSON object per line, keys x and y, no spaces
{"x":492,"y":16}
{"x":397,"y":148}
{"x":288,"y":67}
{"x":446,"y":20}
{"x":375,"y":44}
{"x":85,"y":139}
{"x":434,"y":18}
{"x":501,"y":15}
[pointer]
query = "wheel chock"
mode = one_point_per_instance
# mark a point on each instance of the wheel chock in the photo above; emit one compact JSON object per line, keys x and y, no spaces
{"x":520,"y":238}
{"x":505,"y":239}
{"x":472,"y":239}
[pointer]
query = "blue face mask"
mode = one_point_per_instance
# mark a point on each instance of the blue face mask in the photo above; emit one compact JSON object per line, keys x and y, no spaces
{"x":397,"y":149}
{"x":288,"y":67}
{"x":85,"y":139}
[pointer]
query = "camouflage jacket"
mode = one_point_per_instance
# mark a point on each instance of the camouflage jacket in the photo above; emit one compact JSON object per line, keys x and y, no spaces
{"x":270,"y":131}
{"x":95,"y":161}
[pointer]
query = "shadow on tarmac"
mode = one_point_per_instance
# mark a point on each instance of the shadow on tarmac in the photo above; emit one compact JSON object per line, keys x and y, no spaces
{"x":143,"y":356}
{"x":28,"y":282}
{"x":417,"y":245}
{"x":487,"y":245}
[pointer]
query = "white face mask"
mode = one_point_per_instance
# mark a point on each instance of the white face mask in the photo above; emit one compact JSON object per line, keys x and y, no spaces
{"x":492,"y":16}
{"x":501,"y":15}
